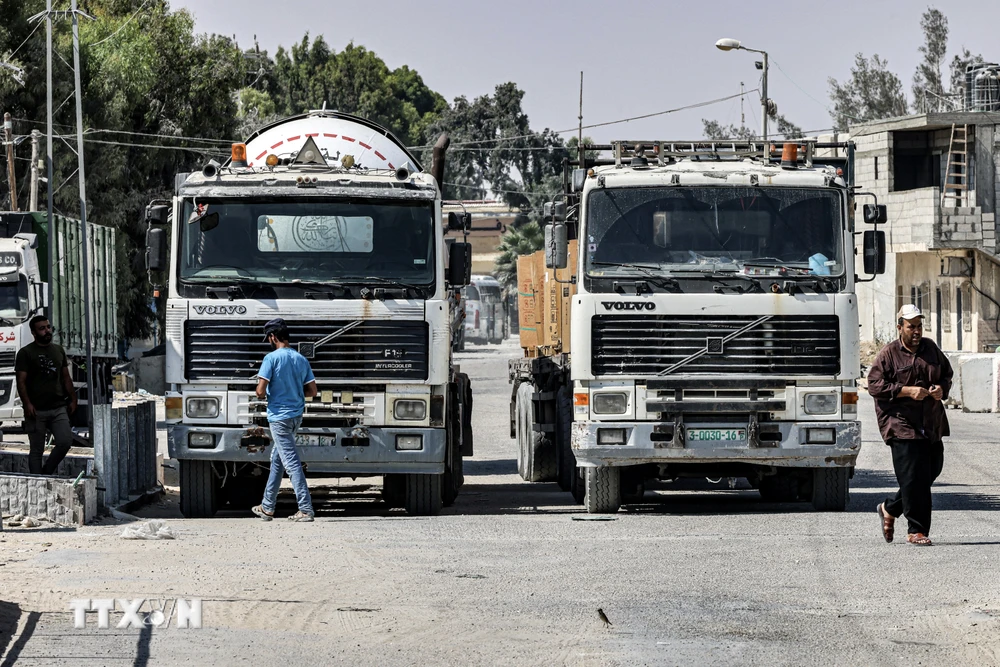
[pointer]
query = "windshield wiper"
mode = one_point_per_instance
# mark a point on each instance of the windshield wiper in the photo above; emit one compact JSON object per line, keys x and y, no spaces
{"x":7,"y":323}
{"x":244,"y":289}
{"x":721,"y":277}
{"x":792,"y":271}
{"x":381,"y":292}
{"x":647,"y":270}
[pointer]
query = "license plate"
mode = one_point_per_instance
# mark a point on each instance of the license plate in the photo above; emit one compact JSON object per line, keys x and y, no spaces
{"x":717,"y":435}
{"x":308,"y":440}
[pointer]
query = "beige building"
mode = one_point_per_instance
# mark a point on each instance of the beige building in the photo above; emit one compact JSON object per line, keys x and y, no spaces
{"x":939,"y":175}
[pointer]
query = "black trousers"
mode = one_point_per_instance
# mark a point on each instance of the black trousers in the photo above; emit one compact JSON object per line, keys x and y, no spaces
{"x":917,"y":464}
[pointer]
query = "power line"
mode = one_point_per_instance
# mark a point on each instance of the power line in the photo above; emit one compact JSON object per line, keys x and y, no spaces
{"x":37,"y":26}
{"x":610,"y":122}
{"x":122,"y":26}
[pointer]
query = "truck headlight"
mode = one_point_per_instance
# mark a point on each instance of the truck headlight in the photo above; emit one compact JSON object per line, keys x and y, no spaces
{"x":611,"y":436}
{"x":821,"y":436}
{"x":608,"y":403}
{"x":409,"y":443}
{"x":821,"y":404}
{"x":409,"y":409}
{"x":201,"y":440}
{"x":202,"y":408}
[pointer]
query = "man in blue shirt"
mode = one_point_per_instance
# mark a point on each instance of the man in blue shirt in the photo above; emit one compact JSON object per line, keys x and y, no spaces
{"x":285,"y":379}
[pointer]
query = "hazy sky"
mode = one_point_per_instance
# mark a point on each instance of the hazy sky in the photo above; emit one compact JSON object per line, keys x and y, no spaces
{"x":637,"y":57}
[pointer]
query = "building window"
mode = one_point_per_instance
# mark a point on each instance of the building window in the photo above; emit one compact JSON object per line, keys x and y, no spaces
{"x":946,"y":308}
{"x":899,"y":297}
{"x":966,"y":307}
{"x":876,"y":167}
{"x":914,"y":163}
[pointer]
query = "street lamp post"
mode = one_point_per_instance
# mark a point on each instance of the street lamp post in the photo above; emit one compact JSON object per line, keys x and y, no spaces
{"x":729,"y":44}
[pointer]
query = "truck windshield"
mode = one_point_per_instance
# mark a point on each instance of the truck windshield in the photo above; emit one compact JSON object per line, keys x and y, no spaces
{"x":14,"y":299}
{"x":313,"y":241}
{"x":755,"y":230}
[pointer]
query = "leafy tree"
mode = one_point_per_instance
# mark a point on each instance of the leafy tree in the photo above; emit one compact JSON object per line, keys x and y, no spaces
{"x":716,"y":131}
{"x":523,"y":240}
{"x":928,"y":87}
{"x":872,"y":93}
{"x":959,"y":63}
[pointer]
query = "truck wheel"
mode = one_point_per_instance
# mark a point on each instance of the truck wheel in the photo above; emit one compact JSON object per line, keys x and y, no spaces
{"x":831,"y":489}
{"x":633,"y":486}
{"x":578,"y":486}
{"x":423,"y":494}
{"x":537,"y":455}
{"x":603,"y":492}
{"x":199,"y":489}
{"x":394,"y":490}
{"x":779,"y":488}
{"x":453,"y":472}
{"x":564,"y":430}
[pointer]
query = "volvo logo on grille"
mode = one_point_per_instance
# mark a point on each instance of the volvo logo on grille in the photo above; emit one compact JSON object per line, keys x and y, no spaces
{"x":713,"y":345}
{"x":220,"y":310}
{"x":629,"y":305}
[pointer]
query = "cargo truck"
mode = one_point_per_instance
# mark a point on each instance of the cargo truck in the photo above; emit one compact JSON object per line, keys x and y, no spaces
{"x":327,"y":221}
{"x":24,"y":290}
{"x":707,"y":325}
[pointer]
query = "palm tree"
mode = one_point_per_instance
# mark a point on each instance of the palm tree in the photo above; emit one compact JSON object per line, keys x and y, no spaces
{"x":523,"y":240}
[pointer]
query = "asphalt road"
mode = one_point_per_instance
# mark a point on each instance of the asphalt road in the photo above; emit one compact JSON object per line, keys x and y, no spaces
{"x":703,"y":574}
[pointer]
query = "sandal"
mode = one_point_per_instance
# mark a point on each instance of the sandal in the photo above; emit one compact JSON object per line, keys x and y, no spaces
{"x":301,"y":516}
{"x":919,"y":540}
{"x":262,"y":513}
{"x":888,"y":522}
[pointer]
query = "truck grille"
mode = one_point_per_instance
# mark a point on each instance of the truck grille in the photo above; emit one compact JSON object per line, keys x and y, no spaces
{"x":375,"y":349}
{"x":645,"y":345}
{"x":7,"y":360}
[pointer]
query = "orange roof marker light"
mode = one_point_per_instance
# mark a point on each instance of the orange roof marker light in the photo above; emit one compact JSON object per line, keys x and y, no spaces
{"x":239,"y":156}
{"x":272,"y":160}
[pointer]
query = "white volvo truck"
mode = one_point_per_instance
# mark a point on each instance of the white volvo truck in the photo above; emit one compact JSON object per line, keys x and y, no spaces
{"x":325,"y":220}
{"x":714,"y":325}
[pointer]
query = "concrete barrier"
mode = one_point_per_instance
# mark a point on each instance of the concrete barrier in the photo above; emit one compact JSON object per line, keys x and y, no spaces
{"x":59,"y":500}
{"x":976,"y":385}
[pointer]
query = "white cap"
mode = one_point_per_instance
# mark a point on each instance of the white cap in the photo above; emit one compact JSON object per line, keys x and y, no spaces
{"x":909,"y":312}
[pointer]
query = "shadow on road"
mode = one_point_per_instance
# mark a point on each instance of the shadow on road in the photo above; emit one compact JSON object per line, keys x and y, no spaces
{"x":490,"y":467}
{"x":10,"y":615}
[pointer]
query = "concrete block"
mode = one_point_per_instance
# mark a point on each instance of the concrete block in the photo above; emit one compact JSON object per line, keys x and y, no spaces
{"x":16,"y":460}
{"x":58,"y":500}
{"x":979,"y":376}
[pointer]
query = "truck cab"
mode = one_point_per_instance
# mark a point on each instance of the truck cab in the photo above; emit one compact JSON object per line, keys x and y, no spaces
{"x":714,"y":323}
{"x":328,"y":222}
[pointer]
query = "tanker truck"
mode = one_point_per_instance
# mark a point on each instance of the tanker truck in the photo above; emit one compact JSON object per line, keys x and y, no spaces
{"x":327,"y":221}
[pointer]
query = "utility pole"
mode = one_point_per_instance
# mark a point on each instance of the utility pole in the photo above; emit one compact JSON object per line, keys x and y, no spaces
{"x":579,"y":146}
{"x":8,"y":134}
{"x":88,"y":340}
{"x":48,"y":153}
{"x":35,"y":167}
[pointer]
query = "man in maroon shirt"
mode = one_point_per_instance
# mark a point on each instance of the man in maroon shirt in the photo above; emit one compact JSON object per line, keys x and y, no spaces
{"x":909,"y":380}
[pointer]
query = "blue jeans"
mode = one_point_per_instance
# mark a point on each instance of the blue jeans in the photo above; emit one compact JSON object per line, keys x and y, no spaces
{"x":284,"y":457}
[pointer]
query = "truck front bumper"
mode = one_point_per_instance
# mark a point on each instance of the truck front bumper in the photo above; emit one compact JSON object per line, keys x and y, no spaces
{"x":379,"y":456}
{"x":645,"y":442}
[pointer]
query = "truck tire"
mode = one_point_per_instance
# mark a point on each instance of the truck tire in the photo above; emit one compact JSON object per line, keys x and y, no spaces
{"x":453,"y":472}
{"x":199,"y":489}
{"x":394,"y":490}
{"x":537,"y":460}
{"x":468,"y":442}
{"x":564,"y":430}
{"x":423,"y":494}
{"x":578,"y":487}
{"x":831,"y":489}
{"x":602,"y":494}
{"x":779,"y":488}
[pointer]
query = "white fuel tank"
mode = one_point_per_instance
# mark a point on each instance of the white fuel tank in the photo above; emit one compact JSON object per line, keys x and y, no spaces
{"x":336,"y":134}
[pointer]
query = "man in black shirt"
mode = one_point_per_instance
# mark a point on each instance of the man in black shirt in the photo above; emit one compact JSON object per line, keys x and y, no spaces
{"x":47,"y":396}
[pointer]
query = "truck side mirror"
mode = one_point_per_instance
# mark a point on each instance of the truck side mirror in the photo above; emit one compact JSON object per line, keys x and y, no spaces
{"x":875,"y":214}
{"x":459,"y":221}
{"x":459,"y":264}
{"x":556,"y":246}
{"x":156,"y":250}
{"x":579,"y":179}
{"x":874,"y":252}
{"x":157,"y":214}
